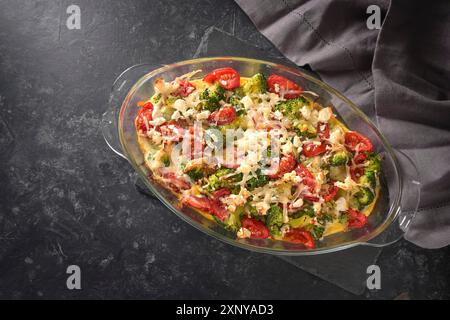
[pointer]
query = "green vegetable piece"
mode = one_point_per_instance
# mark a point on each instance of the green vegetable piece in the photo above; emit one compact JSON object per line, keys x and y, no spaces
{"x":364,"y":197}
{"x":196,"y":173}
{"x":258,"y":181}
{"x":306,"y":210}
{"x":315,"y":230}
{"x":167,"y":112}
{"x":274,"y":219}
{"x":256,"y":84}
{"x":339,"y":158}
{"x":211,"y":97}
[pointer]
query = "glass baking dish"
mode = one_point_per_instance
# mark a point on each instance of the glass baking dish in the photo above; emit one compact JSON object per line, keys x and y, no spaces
{"x":400,"y":190}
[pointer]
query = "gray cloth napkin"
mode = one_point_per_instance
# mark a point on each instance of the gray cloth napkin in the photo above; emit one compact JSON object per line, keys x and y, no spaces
{"x":399,"y":76}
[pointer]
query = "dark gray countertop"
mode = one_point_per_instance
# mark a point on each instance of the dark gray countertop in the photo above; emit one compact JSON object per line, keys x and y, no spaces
{"x":65,"y":198}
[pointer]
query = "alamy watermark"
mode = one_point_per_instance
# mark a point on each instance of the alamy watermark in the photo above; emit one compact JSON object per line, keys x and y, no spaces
{"x":374,"y":20}
{"x":373,"y":282}
{"x":74,"y":19}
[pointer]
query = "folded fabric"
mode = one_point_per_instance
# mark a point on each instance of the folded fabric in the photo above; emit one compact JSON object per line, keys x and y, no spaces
{"x":398,"y":75}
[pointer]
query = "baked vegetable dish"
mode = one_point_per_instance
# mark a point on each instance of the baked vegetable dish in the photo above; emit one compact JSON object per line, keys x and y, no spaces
{"x":258,"y":155}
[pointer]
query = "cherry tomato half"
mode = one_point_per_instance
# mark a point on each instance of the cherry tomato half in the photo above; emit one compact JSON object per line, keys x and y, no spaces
{"x":145,"y":114}
{"x":356,"y":219}
{"x":281,"y":85}
{"x":310,"y":149}
{"x":227,"y":77}
{"x":222,"y":116}
{"x":175,"y":182}
{"x":287,"y":164}
{"x":306,"y":175}
{"x":257,"y":228}
{"x":205,"y":204}
{"x":299,"y":235}
{"x":184,"y":89}
{"x":356,"y":141}
{"x":220,"y":193}
{"x":330,"y":192}
{"x":357,"y":172}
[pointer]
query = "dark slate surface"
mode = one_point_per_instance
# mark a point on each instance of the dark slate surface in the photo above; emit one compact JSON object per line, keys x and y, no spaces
{"x":66,"y":199}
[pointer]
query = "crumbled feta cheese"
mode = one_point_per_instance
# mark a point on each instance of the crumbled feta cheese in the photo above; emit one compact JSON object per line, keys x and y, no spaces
{"x":287,"y":148}
{"x":347,"y":185}
{"x":158,"y":121}
{"x":247,"y":102}
{"x":341,"y":204}
{"x":176,"y":115}
{"x":306,"y":112}
{"x":325,"y":114}
{"x":297,"y":142}
{"x":243,"y":233}
{"x":298,"y":203}
{"x":336,"y":136}
{"x":180,"y":105}
{"x":317,"y":206}
{"x":203,"y":115}
{"x":278,"y":115}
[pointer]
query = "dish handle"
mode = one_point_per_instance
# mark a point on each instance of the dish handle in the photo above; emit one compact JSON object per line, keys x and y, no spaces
{"x":119,"y":90}
{"x":409,"y":204}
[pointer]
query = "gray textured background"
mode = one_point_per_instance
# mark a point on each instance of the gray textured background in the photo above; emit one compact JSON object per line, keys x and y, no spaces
{"x":66,"y":199}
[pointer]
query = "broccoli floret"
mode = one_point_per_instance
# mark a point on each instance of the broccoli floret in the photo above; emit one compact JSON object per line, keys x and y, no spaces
{"x":274,"y":219}
{"x":211,"y":97}
{"x":374,"y":162}
{"x":371,"y":171}
{"x":339,"y":158}
{"x":215,"y":182}
{"x":306,"y":210}
{"x":258,"y":181}
{"x":305,"y":130}
{"x":235,"y":101}
{"x":324,"y":218}
{"x":256,"y":84}
{"x":364,"y":197}
{"x":233,"y":222}
{"x":368,"y":179}
{"x":196,"y":173}
{"x":291,"y":108}
{"x":315,"y":230}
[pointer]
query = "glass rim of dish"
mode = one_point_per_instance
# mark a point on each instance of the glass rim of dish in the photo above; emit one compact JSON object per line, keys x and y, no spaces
{"x":394,"y":208}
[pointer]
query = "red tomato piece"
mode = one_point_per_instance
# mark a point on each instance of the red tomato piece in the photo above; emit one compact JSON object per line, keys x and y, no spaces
{"x":185,"y":88}
{"x":311,"y":149}
{"x":287,"y":164}
{"x":356,"y":141}
{"x":227,"y":77}
{"x":306,"y":175}
{"x":220,"y":193}
{"x":299,"y":235}
{"x":257,"y":228}
{"x":177,"y":183}
{"x":331,"y":191}
{"x":323,"y":131}
{"x":171,"y":131}
{"x":207,"y":205}
{"x":356,"y":219}
{"x":222,"y":116}
{"x":357,"y":172}
{"x":145,"y":114}
{"x":281,"y":85}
